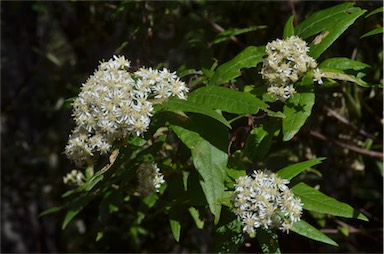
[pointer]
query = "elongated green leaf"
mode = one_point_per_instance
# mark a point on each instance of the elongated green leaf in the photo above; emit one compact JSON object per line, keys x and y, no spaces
{"x":340,"y":75}
{"x":289,"y":30}
{"x":174,"y":222}
{"x":317,"y":201}
{"x":247,"y":58}
{"x":74,"y":208}
{"x":51,"y":210}
{"x":296,"y":112}
{"x":293,"y":170}
{"x":227,"y":34}
{"x":378,"y":30}
{"x":378,"y":10}
{"x":343,"y":63}
{"x":268,"y":240}
{"x":228,"y":100}
{"x":196,"y":217}
{"x":305,"y":229}
{"x":329,"y":24}
{"x":176,"y":105}
{"x":210,"y":162}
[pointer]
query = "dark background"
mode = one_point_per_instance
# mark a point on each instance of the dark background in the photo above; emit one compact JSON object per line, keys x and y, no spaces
{"x":49,"y":48}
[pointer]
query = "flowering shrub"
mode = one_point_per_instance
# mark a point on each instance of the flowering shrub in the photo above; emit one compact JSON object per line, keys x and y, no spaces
{"x":125,"y":123}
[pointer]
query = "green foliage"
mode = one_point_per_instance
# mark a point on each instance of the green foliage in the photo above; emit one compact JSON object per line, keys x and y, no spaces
{"x":328,"y":25}
{"x":197,"y":145}
{"x":227,"y":100}
{"x":230,"y":70}
{"x":314,"y":200}
{"x":306,"y":230}
{"x":291,"y":171}
{"x":296,"y":112}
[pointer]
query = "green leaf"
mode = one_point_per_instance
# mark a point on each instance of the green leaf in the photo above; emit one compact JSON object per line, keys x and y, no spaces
{"x":196,"y":217}
{"x":296,"y":110}
{"x":378,"y":30}
{"x":247,"y":58}
{"x":378,"y":10}
{"x":51,"y":210}
{"x":314,"y":200}
{"x":210,"y":162}
{"x":177,"y":105}
{"x":340,"y":75}
{"x":289,"y":30}
{"x":75,"y":206}
{"x":174,"y":221}
{"x":268,"y":240}
{"x":329,"y":24}
{"x":176,"y":229}
{"x":305,"y":229}
{"x":227,"y":34}
{"x":343,"y":63}
{"x":229,"y":236}
{"x":226,"y":99}
{"x":260,"y":139}
{"x":293,"y":170}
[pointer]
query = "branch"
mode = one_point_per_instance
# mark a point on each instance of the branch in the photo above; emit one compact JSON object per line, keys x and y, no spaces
{"x":347,"y":146}
{"x":345,"y":121}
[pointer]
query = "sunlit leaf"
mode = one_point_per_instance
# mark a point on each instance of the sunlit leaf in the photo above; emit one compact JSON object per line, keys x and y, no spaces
{"x":196,"y":217}
{"x":177,"y":105}
{"x":340,"y":75}
{"x":210,"y":162}
{"x":249,"y":57}
{"x":296,"y":111}
{"x":305,"y":229}
{"x":332,"y":22}
{"x":342,"y":63}
{"x":228,"y":100}
{"x":293,"y":170}
{"x":289,"y":29}
{"x":317,"y":201}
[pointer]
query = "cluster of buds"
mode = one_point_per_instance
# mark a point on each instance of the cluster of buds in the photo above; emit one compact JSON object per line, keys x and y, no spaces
{"x":149,"y":178}
{"x":75,"y":178}
{"x":286,"y":62}
{"x":113,"y":103}
{"x":264,"y":200}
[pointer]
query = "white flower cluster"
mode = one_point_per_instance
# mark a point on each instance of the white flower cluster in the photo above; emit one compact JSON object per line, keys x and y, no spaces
{"x":286,"y":62}
{"x":114,"y":103}
{"x":264,"y":200}
{"x":149,"y":177}
{"x":74,"y":178}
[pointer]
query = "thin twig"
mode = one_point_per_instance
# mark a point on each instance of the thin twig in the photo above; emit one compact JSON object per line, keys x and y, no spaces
{"x":349,"y":147}
{"x":220,"y":29}
{"x":345,"y":121}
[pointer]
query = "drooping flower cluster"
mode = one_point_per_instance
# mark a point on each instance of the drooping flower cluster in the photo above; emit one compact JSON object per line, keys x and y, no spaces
{"x":114,"y":103}
{"x":149,"y":177}
{"x":264,"y":200}
{"x":286,"y":62}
